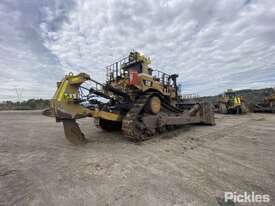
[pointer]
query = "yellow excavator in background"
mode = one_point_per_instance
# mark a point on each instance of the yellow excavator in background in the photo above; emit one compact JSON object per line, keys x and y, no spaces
{"x":139,"y":100}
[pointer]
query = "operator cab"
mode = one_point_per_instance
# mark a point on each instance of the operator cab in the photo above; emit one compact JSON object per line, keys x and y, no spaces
{"x":136,"y":62}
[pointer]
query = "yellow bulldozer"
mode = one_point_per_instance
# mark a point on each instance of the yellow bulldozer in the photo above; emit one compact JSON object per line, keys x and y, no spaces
{"x":135,"y":98}
{"x":231,"y":103}
{"x":268,"y":104}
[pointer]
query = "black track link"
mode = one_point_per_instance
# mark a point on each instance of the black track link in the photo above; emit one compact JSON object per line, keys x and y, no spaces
{"x":132,"y":127}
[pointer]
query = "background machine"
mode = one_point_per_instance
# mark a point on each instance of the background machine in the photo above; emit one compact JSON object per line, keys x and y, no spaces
{"x":231,"y":103}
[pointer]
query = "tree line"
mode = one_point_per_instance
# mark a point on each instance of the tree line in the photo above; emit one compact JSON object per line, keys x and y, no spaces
{"x":31,"y":104}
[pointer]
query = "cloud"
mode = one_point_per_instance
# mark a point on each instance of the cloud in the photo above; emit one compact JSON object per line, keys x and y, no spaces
{"x":213,"y":45}
{"x":25,"y":63}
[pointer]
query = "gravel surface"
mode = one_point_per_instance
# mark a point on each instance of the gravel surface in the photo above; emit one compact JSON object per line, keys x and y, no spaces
{"x":193,"y":165}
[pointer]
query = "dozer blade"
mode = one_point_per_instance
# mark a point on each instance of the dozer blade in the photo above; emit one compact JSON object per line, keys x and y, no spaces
{"x":73,"y":132}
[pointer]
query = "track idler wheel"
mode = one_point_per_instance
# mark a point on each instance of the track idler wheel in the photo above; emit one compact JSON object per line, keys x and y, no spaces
{"x":153,"y":105}
{"x":73,"y":133}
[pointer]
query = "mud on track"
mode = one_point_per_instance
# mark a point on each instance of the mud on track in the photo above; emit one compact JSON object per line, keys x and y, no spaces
{"x":192,"y":166}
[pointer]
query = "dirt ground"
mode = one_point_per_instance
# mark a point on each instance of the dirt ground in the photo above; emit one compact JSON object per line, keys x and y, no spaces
{"x":191,"y":166}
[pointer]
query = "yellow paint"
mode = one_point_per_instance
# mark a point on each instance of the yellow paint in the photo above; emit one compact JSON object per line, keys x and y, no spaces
{"x":106,"y":115}
{"x":62,"y":90}
{"x":75,"y":79}
{"x":237,"y":101}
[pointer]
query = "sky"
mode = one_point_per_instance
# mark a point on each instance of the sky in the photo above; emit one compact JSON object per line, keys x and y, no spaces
{"x":213,"y":45}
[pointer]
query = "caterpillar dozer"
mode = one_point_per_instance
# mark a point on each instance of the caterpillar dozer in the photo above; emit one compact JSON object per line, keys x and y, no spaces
{"x":136,"y":99}
{"x":231,"y":103}
{"x":268,"y":104}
